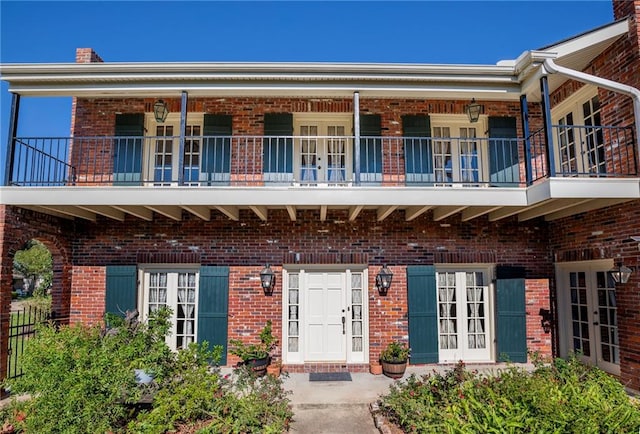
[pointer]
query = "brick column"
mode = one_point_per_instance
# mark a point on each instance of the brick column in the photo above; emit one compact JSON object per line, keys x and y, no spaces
{"x":6,"y":265}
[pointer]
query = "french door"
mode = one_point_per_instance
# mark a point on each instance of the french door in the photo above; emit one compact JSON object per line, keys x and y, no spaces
{"x":178,"y":290}
{"x":324,"y":317}
{"x":456,"y":154}
{"x":580,"y":138}
{"x":322,"y":151}
{"x":588,"y":296}
{"x":164,"y":149}
{"x":464,"y":330}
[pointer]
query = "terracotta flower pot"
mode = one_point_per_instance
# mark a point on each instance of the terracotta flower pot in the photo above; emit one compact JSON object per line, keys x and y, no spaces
{"x":375,"y":368}
{"x":394,"y":370}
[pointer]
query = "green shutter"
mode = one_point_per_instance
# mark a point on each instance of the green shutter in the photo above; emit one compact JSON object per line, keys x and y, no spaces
{"x":418,"y":152}
{"x":504,"y":167}
{"x":127,"y":152}
{"x":121,"y":289}
{"x":511,"y":320}
{"x":216,"y":150}
{"x":370,"y":148}
{"x":423,"y":319}
{"x":278,"y":151}
{"x":213,"y":302}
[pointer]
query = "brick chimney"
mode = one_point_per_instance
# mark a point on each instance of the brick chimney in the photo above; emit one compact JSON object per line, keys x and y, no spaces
{"x":87,"y":55}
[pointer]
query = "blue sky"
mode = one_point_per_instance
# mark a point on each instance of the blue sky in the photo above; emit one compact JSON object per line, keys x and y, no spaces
{"x":475,"y":32}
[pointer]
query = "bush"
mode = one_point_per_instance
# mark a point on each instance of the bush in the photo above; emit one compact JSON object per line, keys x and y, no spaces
{"x":251,"y":404}
{"x":82,"y":380}
{"x":564,"y":397}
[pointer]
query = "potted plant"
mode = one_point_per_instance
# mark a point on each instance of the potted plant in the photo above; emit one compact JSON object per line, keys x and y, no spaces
{"x":255,"y":355}
{"x":394,"y":359}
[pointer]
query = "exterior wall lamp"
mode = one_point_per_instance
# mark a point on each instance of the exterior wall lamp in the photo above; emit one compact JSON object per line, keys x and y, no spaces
{"x":473,"y":110}
{"x":160,"y":111}
{"x":383,"y":280}
{"x":620,"y":273}
{"x":267,"y":280}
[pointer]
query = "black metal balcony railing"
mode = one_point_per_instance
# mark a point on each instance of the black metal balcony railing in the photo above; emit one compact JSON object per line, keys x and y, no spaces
{"x":335,"y":161}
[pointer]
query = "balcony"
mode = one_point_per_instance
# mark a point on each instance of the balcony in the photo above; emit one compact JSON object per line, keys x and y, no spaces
{"x":216,"y":161}
{"x":589,"y":167}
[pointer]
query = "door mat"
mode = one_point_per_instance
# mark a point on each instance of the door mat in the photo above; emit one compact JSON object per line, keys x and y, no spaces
{"x":329,"y":376}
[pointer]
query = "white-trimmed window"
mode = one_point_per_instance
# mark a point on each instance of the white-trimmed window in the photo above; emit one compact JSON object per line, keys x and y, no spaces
{"x":178,"y":290}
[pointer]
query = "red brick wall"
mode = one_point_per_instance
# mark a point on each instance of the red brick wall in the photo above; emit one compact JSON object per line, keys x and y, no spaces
{"x":88,"y":294}
{"x":537,"y":297}
{"x":248,"y":244}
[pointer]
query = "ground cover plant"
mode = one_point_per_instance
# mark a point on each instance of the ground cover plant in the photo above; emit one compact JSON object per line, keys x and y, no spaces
{"x":564,"y":396}
{"x":82,"y":379}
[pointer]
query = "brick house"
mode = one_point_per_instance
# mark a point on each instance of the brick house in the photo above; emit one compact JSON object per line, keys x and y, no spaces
{"x":499,"y":197}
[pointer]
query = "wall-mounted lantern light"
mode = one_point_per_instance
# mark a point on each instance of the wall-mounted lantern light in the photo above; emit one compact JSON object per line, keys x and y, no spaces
{"x":160,"y":111}
{"x":473,"y":110}
{"x":620,"y":273}
{"x":267,"y":280}
{"x":545,"y":322}
{"x":383,"y":280}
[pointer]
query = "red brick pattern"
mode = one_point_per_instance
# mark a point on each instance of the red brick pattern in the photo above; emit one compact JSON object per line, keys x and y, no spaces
{"x":88,"y":294}
{"x":537,"y":294}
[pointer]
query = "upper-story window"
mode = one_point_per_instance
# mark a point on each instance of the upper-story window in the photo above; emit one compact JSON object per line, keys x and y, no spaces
{"x":578,"y":131}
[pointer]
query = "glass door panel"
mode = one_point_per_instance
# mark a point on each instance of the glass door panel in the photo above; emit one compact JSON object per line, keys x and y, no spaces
{"x":469,"y":151}
{"x":163,"y":155}
{"x":442,"y":155}
{"x":308,"y":153}
{"x":596,"y":162}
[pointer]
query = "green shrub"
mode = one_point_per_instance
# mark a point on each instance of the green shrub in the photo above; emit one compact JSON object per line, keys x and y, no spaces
{"x":188,"y":395}
{"x":82,"y":379}
{"x":250,"y":404}
{"x":563,"y":397}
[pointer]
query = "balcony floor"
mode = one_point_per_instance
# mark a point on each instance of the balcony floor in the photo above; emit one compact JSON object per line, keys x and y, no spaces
{"x":552,"y":199}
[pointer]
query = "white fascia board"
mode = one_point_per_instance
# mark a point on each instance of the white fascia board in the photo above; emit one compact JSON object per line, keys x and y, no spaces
{"x":129,"y":69}
{"x":506,"y":91}
{"x":600,"y":36}
{"x":606,"y":34}
{"x":262,"y":196}
{"x":594,"y":188}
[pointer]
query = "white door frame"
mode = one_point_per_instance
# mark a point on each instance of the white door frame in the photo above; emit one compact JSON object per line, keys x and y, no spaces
{"x":462,"y":352}
{"x":590,"y":268}
{"x":293,"y":281}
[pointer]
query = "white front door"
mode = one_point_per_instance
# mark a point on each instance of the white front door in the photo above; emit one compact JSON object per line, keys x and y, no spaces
{"x":463,"y":316}
{"x":326,"y":319}
{"x":588,"y":296}
{"x":325,"y":316}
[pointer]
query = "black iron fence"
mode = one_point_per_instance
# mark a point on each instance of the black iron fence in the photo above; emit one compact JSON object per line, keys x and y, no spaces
{"x":22,"y":326}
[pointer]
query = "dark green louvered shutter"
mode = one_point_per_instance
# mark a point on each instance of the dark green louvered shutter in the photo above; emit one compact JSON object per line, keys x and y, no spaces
{"x":216,"y":150}
{"x":278,"y":146}
{"x":213,"y":303}
{"x":370,"y":149}
{"x":127,"y":151}
{"x":121,"y":289}
{"x":417,"y":152}
{"x":511,"y":315}
{"x":504,"y":168}
{"x":423,"y":319}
